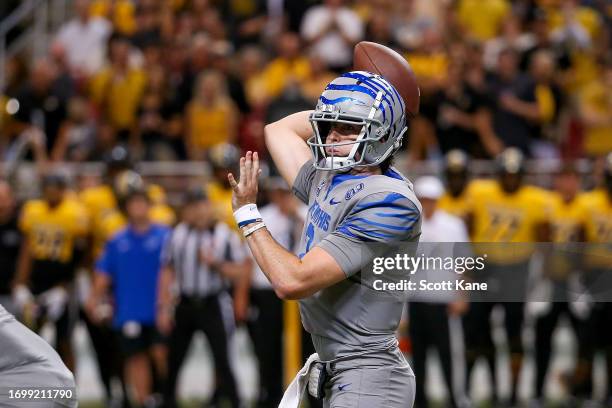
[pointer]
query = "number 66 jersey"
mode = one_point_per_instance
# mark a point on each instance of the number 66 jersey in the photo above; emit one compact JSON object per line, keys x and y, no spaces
{"x":352,"y":217}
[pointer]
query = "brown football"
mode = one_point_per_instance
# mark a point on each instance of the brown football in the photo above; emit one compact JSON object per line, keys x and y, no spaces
{"x":378,"y":59}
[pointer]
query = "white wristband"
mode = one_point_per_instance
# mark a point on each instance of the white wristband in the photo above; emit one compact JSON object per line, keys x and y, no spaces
{"x":247,"y":214}
{"x":254,"y":228}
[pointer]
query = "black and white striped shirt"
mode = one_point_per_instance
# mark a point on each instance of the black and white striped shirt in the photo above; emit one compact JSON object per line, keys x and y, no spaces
{"x":184,"y":254}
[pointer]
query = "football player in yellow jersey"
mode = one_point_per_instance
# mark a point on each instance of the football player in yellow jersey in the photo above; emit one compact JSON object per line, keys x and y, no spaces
{"x":503,"y":211}
{"x":567,"y":221}
{"x":54,"y":229}
{"x":598,"y":272}
{"x":456,"y":200}
{"x":223,"y":159}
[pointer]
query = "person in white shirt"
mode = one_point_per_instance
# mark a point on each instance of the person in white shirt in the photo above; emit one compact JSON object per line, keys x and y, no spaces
{"x":332,"y":30}
{"x":84,"y":39}
{"x":284,"y":216}
{"x":429,"y":310}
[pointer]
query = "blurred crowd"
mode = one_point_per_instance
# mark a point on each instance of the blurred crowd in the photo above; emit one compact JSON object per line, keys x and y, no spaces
{"x":170,"y":79}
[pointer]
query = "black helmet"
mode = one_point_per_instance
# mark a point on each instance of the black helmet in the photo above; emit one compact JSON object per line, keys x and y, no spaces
{"x":118,"y":159}
{"x":511,"y":161}
{"x":455,"y":161}
{"x":55,"y":178}
{"x":224,"y":156}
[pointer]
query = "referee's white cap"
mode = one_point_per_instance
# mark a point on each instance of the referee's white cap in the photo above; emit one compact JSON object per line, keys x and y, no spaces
{"x":428,"y":187}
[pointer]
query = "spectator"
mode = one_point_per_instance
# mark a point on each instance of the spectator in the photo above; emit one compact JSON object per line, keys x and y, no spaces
{"x":129,"y":268}
{"x":429,"y":310}
{"x":332,"y":29}
{"x":511,"y":36}
{"x":201,"y":256}
{"x":77,"y":137}
{"x":40,"y":103}
{"x":481,"y":19}
{"x":595,"y":108}
{"x":117,"y":89}
{"x":210,"y":116}
{"x":515,"y":108}
{"x":10,"y":242}
{"x":318,"y":78}
{"x":84,"y":38}
{"x":289,"y":65}
{"x":456,"y":105}
{"x":250,"y":62}
{"x":548,"y":100}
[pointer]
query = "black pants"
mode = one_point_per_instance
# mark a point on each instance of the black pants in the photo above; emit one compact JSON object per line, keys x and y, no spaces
{"x":479,"y":338}
{"x":544,"y":328}
{"x":429,"y":328}
{"x":108,"y":353}
{"x":265,"y":326}
{"x":203,"y":314}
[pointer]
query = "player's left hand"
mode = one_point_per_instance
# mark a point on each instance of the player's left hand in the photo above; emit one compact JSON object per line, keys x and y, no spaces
{"x":245,"y":190}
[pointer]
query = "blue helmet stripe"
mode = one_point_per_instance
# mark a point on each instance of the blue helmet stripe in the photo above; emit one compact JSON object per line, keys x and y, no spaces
{"x":338,"y":100}
{"x":356,"y":88}
{"x":376,"y":86}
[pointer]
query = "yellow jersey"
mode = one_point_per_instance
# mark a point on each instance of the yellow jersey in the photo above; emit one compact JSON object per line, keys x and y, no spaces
{"x":221,"y":198}
{"x":482,"y":18}
{"x":119,"y":95}
{"x":458,"y":206}
{"x":106,"y":219}
{"x":52,"y":232}
{"x":498,"y":217}
{"x":566,"y":218}
{"x":598,"y":206}
{"x":212,"y":125}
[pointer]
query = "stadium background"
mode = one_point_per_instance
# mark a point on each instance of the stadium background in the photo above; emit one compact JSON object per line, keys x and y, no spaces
{"x":171,"y":80}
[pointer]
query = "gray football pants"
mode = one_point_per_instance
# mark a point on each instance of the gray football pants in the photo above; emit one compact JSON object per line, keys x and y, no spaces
{"x":375,"y":380}
{"x":27,"y":362}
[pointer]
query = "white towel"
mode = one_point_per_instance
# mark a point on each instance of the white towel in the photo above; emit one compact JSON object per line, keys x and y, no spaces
{"x":295,"y":392}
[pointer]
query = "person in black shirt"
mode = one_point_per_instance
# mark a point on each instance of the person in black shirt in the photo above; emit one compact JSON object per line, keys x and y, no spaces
{"x":515,"y":110}
{"x":10,"y":241}
{"x":457,"y":103}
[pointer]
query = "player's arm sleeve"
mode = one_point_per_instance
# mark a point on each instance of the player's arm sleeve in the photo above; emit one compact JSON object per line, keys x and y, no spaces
{"x":381,"y":218}
{"x":303,"y":181}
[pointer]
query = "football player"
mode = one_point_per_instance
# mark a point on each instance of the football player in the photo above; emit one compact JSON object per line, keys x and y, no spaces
{"x":54,"y":227}
{"x":598,"y":207}
{"x":503,"y":211}
{"x":360,"y":207}
{"x":223,"y":159}
{"x":567,"y":228}
{"x":455,"y":200}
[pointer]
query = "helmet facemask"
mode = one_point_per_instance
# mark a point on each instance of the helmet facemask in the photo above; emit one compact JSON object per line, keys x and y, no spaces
{"x":371,"y":147}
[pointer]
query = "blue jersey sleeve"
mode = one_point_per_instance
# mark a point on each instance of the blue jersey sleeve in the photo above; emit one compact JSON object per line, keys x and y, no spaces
{"x":106,"y":261}
{"x":377,"y":218}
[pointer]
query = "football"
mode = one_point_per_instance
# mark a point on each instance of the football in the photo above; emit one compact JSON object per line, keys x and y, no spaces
{"x":378,"y":59}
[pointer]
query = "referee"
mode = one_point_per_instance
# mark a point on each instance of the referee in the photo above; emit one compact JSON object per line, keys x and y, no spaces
{"x":202,"y":255}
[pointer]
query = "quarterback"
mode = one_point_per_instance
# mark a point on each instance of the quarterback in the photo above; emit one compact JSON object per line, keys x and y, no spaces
{"x":337,"y":159}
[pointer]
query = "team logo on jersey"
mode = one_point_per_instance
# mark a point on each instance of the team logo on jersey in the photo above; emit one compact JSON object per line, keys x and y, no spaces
{"x":351,"y":193}
{"x":320,"y":187}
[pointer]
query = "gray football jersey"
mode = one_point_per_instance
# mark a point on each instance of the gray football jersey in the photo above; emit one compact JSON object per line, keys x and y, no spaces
{"x":355,"y":218}
{"x":4,"y":315}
